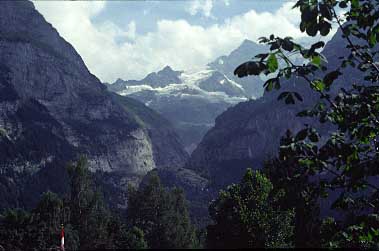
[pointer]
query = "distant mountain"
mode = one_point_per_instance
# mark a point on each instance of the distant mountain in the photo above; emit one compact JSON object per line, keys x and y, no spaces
{"x":52,"y":109}
{"x":192,"y":100}
{"x":156,"y":79}
{"x":227,"y":64}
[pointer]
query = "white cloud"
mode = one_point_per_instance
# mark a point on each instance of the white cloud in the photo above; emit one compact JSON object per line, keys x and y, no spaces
{"x":203,"y":7}
{"x":116,"y":32}
{"x":174,"y":42}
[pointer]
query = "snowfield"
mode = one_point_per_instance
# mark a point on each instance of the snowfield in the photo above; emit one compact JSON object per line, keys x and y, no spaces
{"x":190,"y":88}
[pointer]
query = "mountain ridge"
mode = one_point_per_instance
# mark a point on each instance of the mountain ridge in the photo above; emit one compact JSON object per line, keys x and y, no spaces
{"x":54,"y":109}
{"x":199,"y":96}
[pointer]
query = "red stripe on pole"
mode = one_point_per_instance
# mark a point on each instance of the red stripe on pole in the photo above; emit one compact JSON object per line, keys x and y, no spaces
{"x":62,"y":238}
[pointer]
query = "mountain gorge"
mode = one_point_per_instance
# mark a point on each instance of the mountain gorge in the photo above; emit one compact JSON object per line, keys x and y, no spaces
{"x":192,"y":100}
{"x":52,"y":109}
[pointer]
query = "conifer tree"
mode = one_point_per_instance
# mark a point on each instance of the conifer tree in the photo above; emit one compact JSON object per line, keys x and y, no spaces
{"x":162,"y":215}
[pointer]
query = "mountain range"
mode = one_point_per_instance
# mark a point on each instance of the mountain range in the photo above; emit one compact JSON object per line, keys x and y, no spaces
{"x":192,"y":100}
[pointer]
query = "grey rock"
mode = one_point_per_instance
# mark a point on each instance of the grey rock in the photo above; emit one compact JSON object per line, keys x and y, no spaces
{"x":53,"y":109}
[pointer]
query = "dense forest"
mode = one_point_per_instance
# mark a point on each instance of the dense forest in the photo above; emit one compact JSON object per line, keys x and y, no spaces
{"x":156,"y":218}
{"x":321,"y":190}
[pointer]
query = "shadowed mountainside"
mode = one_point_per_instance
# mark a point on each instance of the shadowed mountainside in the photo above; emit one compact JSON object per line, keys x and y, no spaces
{"x":52,"y":109}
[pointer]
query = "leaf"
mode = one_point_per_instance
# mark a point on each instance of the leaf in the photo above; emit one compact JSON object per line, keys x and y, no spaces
{"x":272,"y":83}
{"x":306,"y":162}
{"x":318,"y":85}
{"x":272,"y":63}
{"x":325,"y":11}
{"x":372,"y":39}
{"x":313,"y":136}
{"x":287,"y":45}
{"x":301,"y":135}
{"x":248,"y":68}
{"x":263,"y":40}
{"x":312,"y":29}
{"x":343,"y":4}
{"x":355,"y":3}
{"x":331,"y":77}
{"x":318,"y":45}
{"x":303,"y":26}
{"x":275,"y":45}
{"x":316,"y":61}
{"x":324,"y":28}
{"x":309,"y":14}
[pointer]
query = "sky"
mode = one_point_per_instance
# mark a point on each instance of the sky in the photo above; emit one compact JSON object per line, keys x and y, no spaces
{"x":130,"y":39}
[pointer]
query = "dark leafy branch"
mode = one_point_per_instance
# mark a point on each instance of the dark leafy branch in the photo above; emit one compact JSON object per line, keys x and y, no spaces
{"x":347,"y":156}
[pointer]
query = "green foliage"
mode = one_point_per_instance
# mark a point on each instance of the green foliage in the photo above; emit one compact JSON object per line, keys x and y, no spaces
{"x":86,"y":220}
{"x":125,"y":237}
{"x":345,"y":160}
{"x":272,"y":63}
{"x":135,"y":239}
{"x":88,"y":213}
{"x":162,"y":215}
{"x":157,"y":218}
{"x":47,"y":218}
{"x":245,"y":216}
{"x":361,"y":233}
{"x":38,"y":230}
{"x":14,"y":229}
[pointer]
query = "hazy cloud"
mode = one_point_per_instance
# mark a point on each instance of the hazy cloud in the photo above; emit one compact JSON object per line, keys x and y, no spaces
{"x":112,"y":52}
{"x":203,"y":7}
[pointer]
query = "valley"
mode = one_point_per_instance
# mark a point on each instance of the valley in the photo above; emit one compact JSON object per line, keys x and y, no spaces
{"x":272,"y":144}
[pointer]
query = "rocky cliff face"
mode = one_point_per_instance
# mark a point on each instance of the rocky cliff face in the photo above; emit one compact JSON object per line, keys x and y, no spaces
{"x":52,"y":109}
